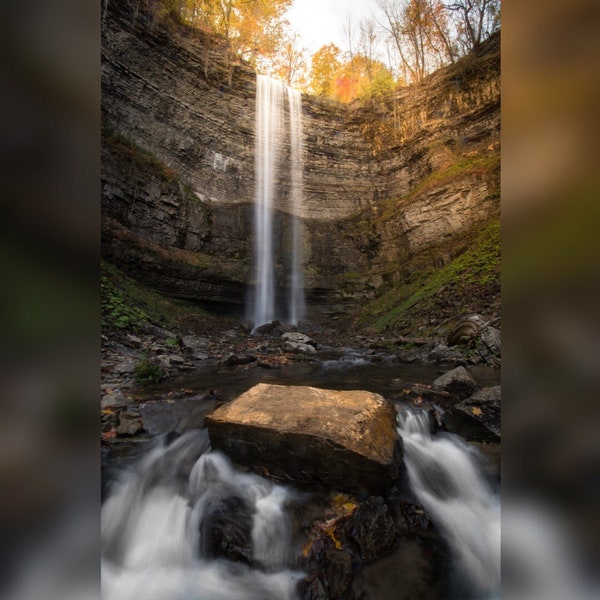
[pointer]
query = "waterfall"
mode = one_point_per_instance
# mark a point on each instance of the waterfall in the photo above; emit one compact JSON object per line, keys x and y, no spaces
{"x":153,"y":524}
{"x":296,"y":301}
{"x":269,"y":171}
{"x":446,"y":479}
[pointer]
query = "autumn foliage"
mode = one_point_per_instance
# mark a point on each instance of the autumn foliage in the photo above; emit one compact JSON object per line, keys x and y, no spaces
{"x":414,"y":37}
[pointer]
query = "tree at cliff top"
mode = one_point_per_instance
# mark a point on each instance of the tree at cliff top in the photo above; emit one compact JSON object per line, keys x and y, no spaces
{"x":345,"y":80}
{"x":477,"y":19}
{"x":290,"y":62}
{"x":426,"y":34}
{"x":253,"y":28}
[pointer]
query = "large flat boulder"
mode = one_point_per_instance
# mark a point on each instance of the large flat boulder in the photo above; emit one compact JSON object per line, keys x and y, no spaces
{"x":346,"y":440}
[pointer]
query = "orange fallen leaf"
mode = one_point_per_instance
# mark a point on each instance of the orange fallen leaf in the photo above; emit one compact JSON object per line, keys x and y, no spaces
{"x":476,"y":411}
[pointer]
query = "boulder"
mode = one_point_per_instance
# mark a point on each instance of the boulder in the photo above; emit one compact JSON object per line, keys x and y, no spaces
{"x":458,"y":382}
{"x":466,"y":330}
{"x":346,"y":440}
{"x":338,"y":573}
{"x":226,"y":531}
{"x":478,"y":417}
{"x":373,"y":529}
{"x":267,"y":328}
{"x":489,"y":343}
{"x":298,"y":338}
{"x":238,"y":359}
{"x":296,"y":347}
{"x":130,"y":423}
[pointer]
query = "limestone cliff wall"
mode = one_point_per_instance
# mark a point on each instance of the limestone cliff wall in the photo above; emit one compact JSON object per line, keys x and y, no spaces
{"x":382,"y":180}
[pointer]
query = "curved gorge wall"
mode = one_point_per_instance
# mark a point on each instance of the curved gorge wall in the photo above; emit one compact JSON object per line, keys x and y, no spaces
{"x":382,"y":181}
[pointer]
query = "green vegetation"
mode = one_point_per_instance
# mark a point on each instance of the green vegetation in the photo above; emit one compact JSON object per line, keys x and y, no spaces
{"x":127,"y":305}
{"x":148,"y":372}
{"x":118,"y":309}
{"x":476,"y":268}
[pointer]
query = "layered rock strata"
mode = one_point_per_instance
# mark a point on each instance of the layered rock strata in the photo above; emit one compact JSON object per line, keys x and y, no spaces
{"x":373,"y":194}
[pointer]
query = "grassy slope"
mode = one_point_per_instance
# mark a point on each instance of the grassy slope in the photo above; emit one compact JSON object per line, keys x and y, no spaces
{"x":126,"y":305}
{"x":469,"y":283}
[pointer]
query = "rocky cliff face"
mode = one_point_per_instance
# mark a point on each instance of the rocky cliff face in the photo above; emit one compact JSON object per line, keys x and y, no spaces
{"x":383,"y":182}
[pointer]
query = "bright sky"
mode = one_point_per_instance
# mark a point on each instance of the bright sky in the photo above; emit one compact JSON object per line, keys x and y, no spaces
{"x":321,"y":22}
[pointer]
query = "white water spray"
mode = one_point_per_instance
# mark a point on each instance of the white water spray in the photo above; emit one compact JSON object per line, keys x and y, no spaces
{"x":269,"y":169}
{"x":152,"y":529}
{"x":446,"y":479}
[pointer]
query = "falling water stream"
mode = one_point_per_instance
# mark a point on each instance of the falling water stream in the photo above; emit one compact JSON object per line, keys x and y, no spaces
{"x":153,"y":524}
{"x":272,"y":138}
{"x":445,"y":477}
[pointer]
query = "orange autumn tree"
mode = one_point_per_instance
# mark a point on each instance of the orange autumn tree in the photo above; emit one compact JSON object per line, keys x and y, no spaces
{"x":253,"y":28}
{"x":326,"y":62}
{"x":346,"y":79}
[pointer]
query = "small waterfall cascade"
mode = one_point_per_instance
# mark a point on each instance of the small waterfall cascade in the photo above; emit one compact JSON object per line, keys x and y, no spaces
{"x":271,"y":136}
{"x":445,"y":477}
{"x":154,"y":522}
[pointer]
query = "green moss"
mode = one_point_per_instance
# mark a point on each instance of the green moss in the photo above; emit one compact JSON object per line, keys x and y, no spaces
{"x":479,"y":266}
{"x":128,"y":305}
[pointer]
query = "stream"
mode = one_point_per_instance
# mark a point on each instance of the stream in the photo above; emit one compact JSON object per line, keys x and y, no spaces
{"x":160,"y":499}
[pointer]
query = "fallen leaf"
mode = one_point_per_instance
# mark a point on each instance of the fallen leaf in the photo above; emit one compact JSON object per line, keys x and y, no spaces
{"x":108,"y":435}
{"x":476,"y":411}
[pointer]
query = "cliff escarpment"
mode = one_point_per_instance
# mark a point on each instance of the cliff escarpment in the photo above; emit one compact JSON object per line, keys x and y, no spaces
{"x":394,"y":187}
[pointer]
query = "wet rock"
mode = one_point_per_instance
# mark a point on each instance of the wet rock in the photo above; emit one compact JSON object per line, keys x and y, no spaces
{"x":298,"y":338}
{"x":239,"y":359}
{"x":490,"y":343}
{"x":414,"y":570}
{"x":458,"y":382}
{"x":372,"y":528}
{"x":338,"y":574}
{"x":299,"y":348}
{"x":412,"y":518}
{"x":226,"y":531}
{"x":346,"y":440}
{"x":420,"y":394}
{"x":314,"y":590}
{"x":182,"y":415}
{"x":442,"y":353}
{"x":478,"y":417}
{"x":268,"y":328}
{"x":130,"y":423}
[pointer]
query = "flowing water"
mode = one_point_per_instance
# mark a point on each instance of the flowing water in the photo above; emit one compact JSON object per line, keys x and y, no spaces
{"x":154,"y":521}
{"x":269,"y":118}
{"x":156,"y":515}
{"x":271,"y":136}
{"x":444,"y":474}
